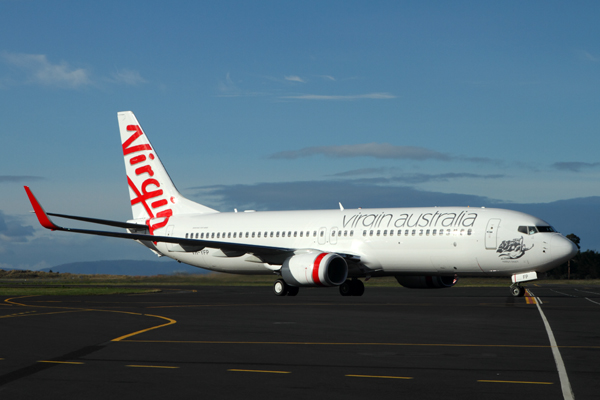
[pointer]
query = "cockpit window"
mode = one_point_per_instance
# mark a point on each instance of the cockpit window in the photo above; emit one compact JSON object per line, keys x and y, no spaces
{"x":545,"y":229}
{"x":532,"y":230}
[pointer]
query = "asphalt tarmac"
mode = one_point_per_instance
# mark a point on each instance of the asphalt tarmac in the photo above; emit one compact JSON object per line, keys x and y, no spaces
{"x":244,"y":342}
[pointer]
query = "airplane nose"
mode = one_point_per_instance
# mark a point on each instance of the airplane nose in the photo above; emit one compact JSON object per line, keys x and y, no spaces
{"x":562,"y":248}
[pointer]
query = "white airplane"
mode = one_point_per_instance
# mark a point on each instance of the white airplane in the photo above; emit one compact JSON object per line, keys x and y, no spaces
{"x":420,"y":247}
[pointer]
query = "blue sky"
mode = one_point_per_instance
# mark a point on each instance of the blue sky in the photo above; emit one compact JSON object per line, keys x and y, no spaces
{"x":414,"y":102}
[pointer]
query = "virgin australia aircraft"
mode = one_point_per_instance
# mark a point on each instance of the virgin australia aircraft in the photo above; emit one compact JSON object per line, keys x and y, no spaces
{"x":421,"y":247}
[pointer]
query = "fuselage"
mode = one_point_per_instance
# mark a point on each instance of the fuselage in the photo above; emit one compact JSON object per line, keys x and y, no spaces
{"x":422,"y":247}
{"x":396,"y":241}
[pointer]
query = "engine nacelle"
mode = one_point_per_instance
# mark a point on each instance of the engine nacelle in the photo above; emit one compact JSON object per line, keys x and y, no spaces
{"x":427,"y":282}
{"x":315,"y":269}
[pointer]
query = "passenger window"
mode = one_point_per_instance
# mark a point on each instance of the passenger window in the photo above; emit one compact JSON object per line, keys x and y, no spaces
{"x":364,"y":233}
{"x":385,"y":232}
{"x":414,"y":232}
{"x":420,"y":232}
{"x":345,"y":233}
{"x":277,"y":234}
{"x":462,"y":232}
{"x":427,"y":232}
{"x":252,"y":234}
{"x":290,"y":234}
{"x":202,"y":235}
{"x":351,"y":233}
{"x":322,"y":233}
{"x":301,"y":233}
{"x":314,"y":233}
{"x":271,"y":233}
{"x":258,"y":234}
{"x":332,"y":233}
{"x":391,"y":232}
{"x":378,"y":232}
{"x":212,"y":235}
{"x":295,"y":233}
{"x":186,"y":235}
{"x":434,"y":232}
{"x":469,"y":232}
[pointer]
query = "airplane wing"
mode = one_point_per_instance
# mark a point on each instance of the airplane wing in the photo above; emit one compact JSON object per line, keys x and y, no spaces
{"x":268,"y":253}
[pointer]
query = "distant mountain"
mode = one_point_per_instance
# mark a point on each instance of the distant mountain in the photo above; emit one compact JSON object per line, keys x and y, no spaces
{"x":127,"y":267}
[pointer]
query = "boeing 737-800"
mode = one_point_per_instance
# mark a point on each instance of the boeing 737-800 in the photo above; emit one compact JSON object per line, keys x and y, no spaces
{"x":420,"y":247}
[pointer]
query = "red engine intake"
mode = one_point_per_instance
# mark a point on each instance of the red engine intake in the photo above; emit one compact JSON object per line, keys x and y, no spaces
{"x":315,"y":269}
{"x":427,"y":282}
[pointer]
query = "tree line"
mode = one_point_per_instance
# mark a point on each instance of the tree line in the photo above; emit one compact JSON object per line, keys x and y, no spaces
{"x":585,"y":265}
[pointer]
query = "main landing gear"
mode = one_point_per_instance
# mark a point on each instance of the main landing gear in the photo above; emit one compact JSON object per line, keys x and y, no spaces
{"x":280,"y":288}
{"x":517,"y":290}
{"x":354,"y":287}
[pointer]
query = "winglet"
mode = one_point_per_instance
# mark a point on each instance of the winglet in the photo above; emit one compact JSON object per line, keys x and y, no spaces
{"x":40,"y":213}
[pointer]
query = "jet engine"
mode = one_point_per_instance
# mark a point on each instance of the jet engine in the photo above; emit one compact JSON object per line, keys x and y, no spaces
{"x":315,"y":269}
{"x":427,"y":282}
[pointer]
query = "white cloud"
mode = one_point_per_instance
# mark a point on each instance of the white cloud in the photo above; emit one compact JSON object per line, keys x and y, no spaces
{"x":40,"y":70}
{"x":372,"y":96}
{"x":590,"y":57}
{"x":327,"y":77}
{"x":294,"y":78}
{"x":128,"y":76}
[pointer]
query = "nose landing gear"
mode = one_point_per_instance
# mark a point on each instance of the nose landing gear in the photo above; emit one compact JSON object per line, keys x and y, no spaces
{"x":517,"y":290}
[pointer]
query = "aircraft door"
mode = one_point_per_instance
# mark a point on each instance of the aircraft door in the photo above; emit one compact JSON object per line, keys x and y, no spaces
{"x":491,"y":234}
{"x":333,"y":235}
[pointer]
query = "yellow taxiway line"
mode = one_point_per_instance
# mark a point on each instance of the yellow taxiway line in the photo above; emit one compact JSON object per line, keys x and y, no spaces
{"x":260,"y":371}
{"x":382,"y":376}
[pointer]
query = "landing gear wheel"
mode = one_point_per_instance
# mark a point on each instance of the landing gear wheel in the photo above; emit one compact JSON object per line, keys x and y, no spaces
{"x":280,"y":288}
{"x":293,"y":290}
{"x":352,"y":288}
{"x":346,"y":288}
{"x":358,"y":288}
{"x":517,"y":290}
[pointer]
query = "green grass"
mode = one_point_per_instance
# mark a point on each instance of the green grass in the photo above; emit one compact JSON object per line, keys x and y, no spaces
{"x":30,"y":283}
